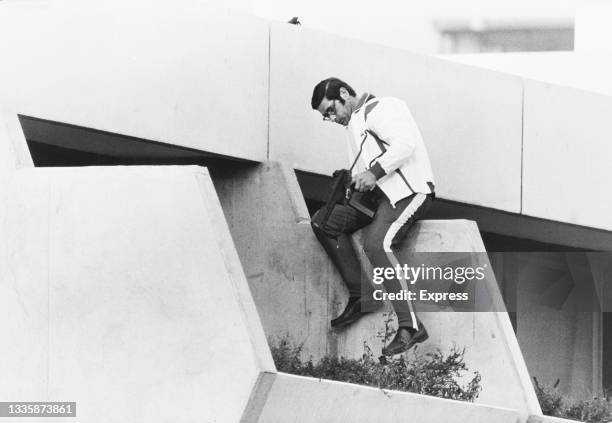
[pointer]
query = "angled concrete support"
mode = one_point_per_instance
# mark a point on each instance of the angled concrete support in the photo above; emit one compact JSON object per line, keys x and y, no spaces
{"x":297,"y":290}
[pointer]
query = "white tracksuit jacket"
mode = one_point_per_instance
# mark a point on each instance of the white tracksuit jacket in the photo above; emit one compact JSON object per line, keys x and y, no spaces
{"x":391,"y":146}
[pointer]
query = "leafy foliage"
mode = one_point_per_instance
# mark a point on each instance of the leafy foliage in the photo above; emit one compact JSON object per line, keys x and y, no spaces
{"x":554,"y":403}
{"x":433,"y":373}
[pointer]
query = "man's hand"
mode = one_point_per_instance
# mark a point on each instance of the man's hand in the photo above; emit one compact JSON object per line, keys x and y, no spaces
{"x":364,"y":181}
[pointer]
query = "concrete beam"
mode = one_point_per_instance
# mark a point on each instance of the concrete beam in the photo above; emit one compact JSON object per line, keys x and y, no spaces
{"x":194,"y":76}
{"x":470,"y":118}
{"x":566,"y":145}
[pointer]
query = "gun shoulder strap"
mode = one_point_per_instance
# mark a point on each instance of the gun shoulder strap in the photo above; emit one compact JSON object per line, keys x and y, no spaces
{"x":341,"y":182}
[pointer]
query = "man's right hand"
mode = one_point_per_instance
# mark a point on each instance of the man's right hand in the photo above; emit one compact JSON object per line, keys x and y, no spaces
{"x":364,"y":181}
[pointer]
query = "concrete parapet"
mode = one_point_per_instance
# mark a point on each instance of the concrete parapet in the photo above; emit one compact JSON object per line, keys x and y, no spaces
{"x":141,"y":68}
{"x":304,"y":400}
{"x":121,"y":290}
{"x":491,"y":345}
{"x":555,"y":121}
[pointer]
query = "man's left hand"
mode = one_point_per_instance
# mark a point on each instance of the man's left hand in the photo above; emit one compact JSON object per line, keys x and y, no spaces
{"x":364,"y":181}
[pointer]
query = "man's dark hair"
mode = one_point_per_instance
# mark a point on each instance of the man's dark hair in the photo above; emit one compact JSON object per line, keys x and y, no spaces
{"x":329,"y":88}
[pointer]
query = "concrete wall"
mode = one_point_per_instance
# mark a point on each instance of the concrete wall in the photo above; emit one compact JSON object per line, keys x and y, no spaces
{"x":583,"y":70}
{"x":565,"y":133}
{"x":592,"y":29}
{"x":194,"y":76}
{"x":121,"y":286}
{"x":298,"y":291}
{"x":470,"y":118}
{"x":558,"y":321}
{"x":563,"y":345}
{"x":234,"y":85}
{"x":294,"y":285}
{"x":305,"y":400}
{"x":566,"y":146}
{"x":488,"y":336}
{"x":155,"y":72}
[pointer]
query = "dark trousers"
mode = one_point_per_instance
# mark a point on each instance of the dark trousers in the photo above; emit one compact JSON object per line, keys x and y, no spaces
{"x":382,"y":235}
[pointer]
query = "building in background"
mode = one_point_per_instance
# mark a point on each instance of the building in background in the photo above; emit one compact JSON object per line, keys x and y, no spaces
{"x":511,"y":35}
{"x":438,"y":26}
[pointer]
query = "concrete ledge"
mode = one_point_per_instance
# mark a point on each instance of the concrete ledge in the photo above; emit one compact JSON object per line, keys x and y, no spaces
{"x":548,"y":419}
{"x":304,"y":400}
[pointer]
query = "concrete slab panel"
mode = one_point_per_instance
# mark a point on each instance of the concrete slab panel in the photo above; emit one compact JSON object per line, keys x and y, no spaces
{"x":24,"y":296}
{"x":194,"y":76}
{"x":120,"y":291}
{"x":23,"y":303}
{"x":491,"y":345}
{"x":301,"y":399}
{"x":297,"y":290}
{"x":566,"y":151}
{"x":470,"y":118}
{"x":288,"y":272}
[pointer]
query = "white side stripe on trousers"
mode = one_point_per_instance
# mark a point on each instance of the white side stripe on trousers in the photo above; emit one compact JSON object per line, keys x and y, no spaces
{"x":408,"y":212}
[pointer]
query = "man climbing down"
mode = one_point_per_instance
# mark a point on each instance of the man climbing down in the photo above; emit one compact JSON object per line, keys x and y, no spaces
{"x":391,"y":164}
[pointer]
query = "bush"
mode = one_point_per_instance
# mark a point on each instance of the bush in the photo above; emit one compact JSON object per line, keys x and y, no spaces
{"x":595,"y":410}
{"x":554,"y":403}
{"x":429,"y":374}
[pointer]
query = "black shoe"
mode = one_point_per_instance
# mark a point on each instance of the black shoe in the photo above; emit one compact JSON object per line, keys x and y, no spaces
{"x":405,"y":338}
{"x":354,"y":311}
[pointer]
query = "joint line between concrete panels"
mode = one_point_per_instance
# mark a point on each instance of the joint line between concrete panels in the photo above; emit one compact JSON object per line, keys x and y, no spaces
{"x":269,"y":88}
{"x":522,"y":143}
